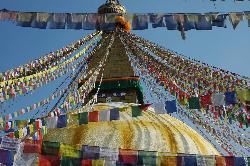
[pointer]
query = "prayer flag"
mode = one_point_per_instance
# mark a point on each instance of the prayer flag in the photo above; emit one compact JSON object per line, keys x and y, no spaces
{"x":83,"y":118}
{"x":89,"y":21}
{"x":41,"y":20}
{"x":230,"y":98}
{"x":194,"y":103}
{"x":74,"y":21}
{"x":157,"y":20}
{"x":24,"y":19}
{"x":104,"y":115}
{"x":62,"y":121}
{"x":50,"y":148}
{"x":204,"y":23}
{"x":171,"y":24}
{"x":136,"y":111}
{"x":57,"y":21}
{"x":94,"y":116}
{"x":128,"y":156}
{"x":140,"y":22}
{"x":147,"y":158}
{"x":68,"y":161}
{"x":206,"y":100}
{"x":218,"y":99}
{"x":170,"y":106}
{"x":90,"y":152}
{"x":114,"y":114}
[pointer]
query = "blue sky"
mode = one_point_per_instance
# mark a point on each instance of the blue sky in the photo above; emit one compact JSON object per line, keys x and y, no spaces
{"x":225,"y":48}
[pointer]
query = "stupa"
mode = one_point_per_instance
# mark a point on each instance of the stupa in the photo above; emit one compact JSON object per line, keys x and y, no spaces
{"x":121,"y":88}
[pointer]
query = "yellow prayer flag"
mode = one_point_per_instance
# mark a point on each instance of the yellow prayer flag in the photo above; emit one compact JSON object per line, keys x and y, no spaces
{"x":98,"y":162}
{"x":69,"y":151}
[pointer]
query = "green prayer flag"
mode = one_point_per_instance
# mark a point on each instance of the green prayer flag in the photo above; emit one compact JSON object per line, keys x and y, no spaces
{"x":136,"y":111}
{"x":243,"y":94}
{"x":147,"y":158}
{"x":194,"y":103}
{"x":67,"y":161}
{"x":16,"y":134}
{"x":83,"y":118}
{"x":50,"y":148}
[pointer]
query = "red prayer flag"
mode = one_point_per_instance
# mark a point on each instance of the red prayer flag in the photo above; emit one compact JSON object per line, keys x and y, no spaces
{"x":11,"y":135}
{"x":128,"y":156}
{"x":229,"y":160}
{"x":86,"y":162}
{"x":32,"y":147}
{"x":206,"y":100}
{"x":144,"y":107}
{"x":48,"y":160}
{"x":241,"y":125}
{"x":38,"y":124}
{"x":94,"y":116}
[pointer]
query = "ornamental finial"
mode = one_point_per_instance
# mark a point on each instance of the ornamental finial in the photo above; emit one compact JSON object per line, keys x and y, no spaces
{"x":113,"y":1}
{"x":111,"y":6}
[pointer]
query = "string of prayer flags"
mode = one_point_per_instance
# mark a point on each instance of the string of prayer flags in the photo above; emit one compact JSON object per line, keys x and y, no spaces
{"x":49,"y":60}
{"x":91,"y":21}
{"x":146,"y":64}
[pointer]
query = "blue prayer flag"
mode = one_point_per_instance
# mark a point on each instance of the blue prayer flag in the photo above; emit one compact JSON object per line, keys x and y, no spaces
{"x":171,"y":23}
{"x":170,"y":106}
{"x":62,"y":121}
{"x":231,"y":98}
{"x":190,"y":160}
{"x":204,"y":23}
{"x":114,"y":114}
